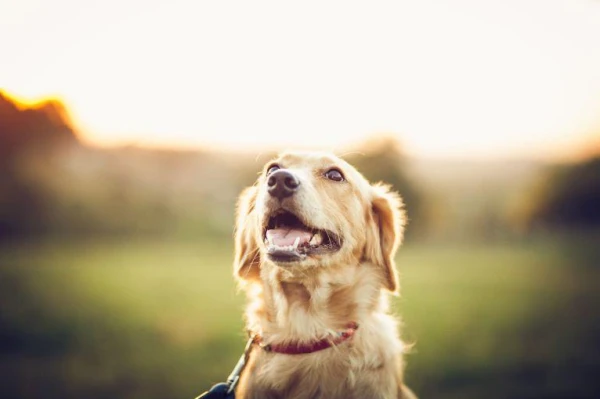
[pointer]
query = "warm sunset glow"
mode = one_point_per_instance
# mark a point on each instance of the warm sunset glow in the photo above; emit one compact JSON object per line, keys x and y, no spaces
{"x":452,"y":79}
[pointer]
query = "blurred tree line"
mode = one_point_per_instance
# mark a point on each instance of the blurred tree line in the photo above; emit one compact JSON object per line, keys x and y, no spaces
{"x":52,"y":184}
{"x":23,"y":132}
{"x":565,"y":197}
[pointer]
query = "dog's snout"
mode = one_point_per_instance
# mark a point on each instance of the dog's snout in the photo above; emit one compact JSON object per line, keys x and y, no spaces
{"x":282,"y":184}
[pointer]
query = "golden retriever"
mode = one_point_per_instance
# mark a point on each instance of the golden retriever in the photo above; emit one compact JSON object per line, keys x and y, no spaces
{"x":315,"y":246}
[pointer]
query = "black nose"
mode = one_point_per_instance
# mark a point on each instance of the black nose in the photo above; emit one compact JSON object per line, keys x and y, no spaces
{"x":282,"y":184}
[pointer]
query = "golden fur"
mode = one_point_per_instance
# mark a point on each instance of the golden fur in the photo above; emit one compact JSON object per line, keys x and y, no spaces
{"x":311,"y":299}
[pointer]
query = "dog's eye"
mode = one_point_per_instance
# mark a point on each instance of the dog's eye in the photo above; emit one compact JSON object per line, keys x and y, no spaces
{"x":334,"y":174}
{"x":272,"y":169}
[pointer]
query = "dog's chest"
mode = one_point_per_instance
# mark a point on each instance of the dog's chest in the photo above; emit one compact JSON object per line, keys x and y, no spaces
{"x":331,"y":373}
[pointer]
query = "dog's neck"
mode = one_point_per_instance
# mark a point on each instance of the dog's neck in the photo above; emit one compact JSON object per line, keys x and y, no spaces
{"x":313,"y":306}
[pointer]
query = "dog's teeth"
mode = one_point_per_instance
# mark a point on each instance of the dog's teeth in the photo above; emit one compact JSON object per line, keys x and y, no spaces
{"x":316,"y":239}
{"x":296,"y":242}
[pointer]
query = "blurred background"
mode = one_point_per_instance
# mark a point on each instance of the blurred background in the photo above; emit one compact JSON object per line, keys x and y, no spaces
{"x":128,"y":128}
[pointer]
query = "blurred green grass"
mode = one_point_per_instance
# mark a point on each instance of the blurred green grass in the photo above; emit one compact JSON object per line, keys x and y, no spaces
{"x":161,"y":318}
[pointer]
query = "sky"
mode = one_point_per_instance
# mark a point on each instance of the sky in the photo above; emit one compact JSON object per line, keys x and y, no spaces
{"x":470,"y":79}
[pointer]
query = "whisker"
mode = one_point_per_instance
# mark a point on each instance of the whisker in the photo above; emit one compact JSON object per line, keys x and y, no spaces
{"x":256,"y":254}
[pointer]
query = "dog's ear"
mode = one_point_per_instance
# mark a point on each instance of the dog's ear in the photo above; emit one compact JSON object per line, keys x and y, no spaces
{"x":384,"y":232}
{"x":246,"y":264}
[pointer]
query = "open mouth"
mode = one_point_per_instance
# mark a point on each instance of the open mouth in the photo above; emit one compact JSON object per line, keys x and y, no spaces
{"x":289,"y":240}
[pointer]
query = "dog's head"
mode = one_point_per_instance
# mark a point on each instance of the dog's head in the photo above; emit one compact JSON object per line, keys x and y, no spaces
{"x":310,"y":210}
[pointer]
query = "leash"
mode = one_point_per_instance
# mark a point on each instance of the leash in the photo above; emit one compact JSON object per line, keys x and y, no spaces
{"x":226,"y":390}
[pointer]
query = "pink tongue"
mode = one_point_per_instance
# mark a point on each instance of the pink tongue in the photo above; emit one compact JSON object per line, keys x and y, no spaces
{"x":283,"y":237}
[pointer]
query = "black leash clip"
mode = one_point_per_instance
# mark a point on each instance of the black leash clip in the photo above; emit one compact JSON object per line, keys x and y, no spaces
{"x":226,"y":390}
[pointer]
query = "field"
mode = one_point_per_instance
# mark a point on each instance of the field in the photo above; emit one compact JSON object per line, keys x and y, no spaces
{"x":162,"y":319}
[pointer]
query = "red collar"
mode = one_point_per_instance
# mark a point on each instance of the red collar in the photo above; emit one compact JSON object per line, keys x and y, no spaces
{"x":298,"y":348}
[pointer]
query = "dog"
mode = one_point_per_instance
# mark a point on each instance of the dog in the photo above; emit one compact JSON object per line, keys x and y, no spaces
{"x":314,"y":251}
